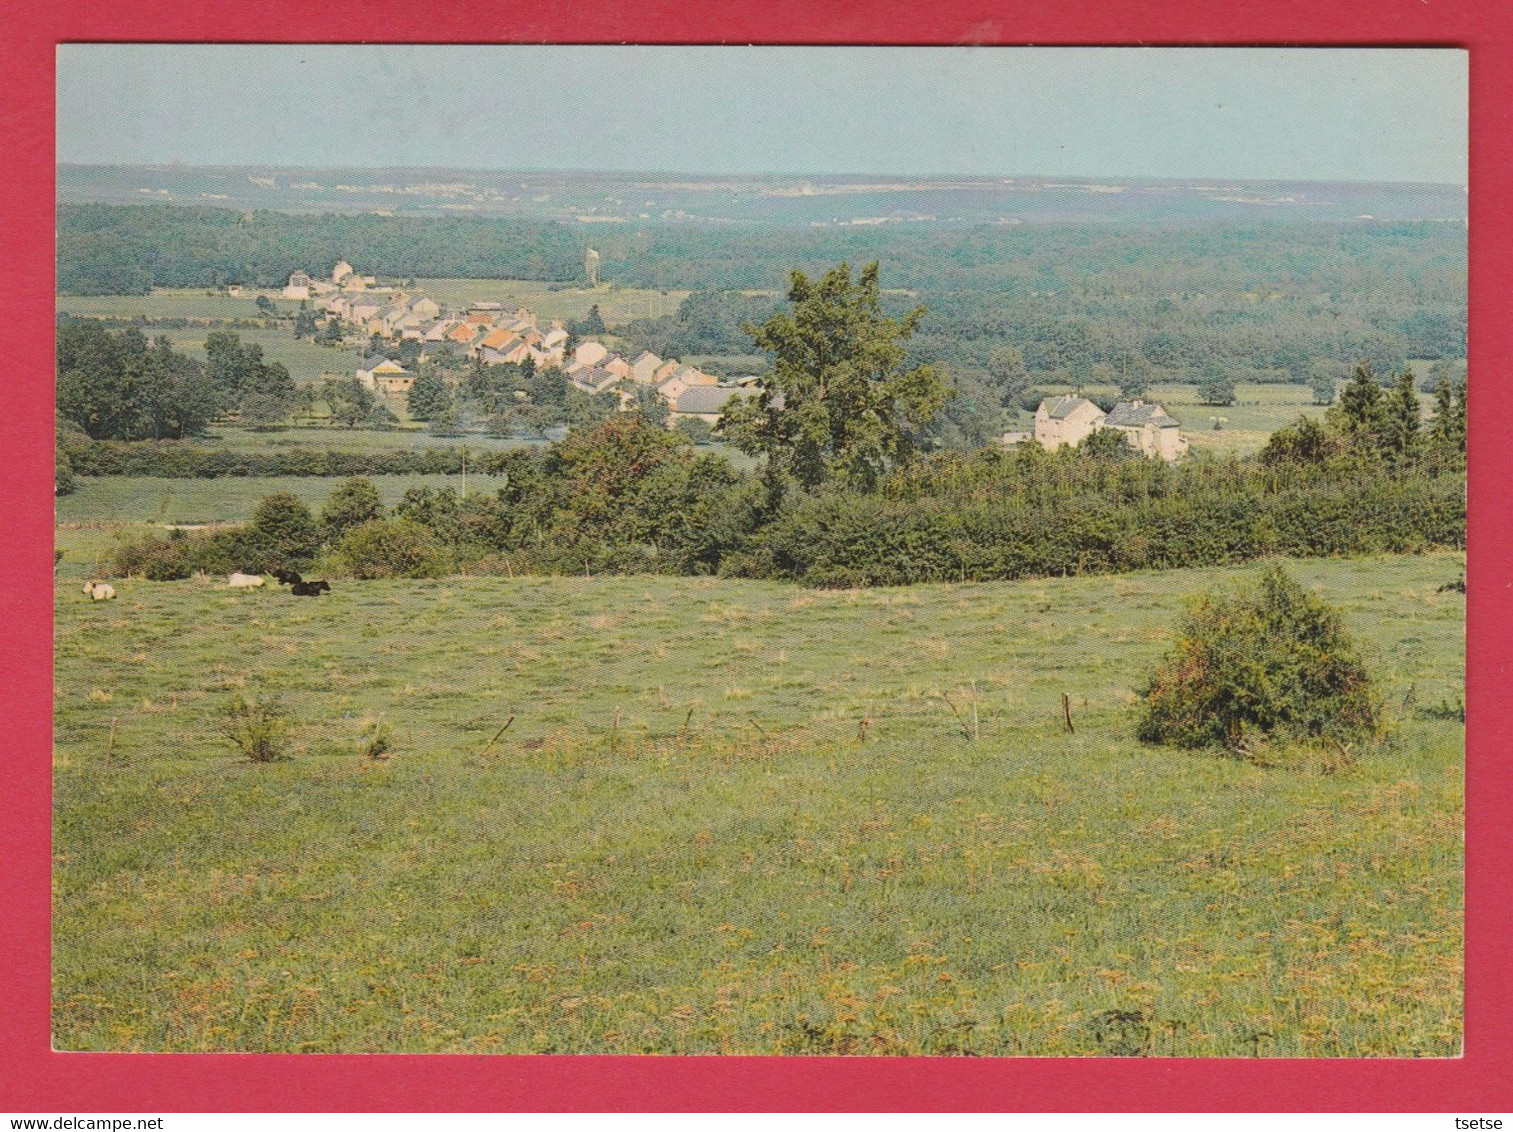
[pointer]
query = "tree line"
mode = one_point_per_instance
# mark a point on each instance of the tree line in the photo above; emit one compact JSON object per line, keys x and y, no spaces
{"x":844,"y":495}
{"x":186,"y":246}
{"x":116,"y":385}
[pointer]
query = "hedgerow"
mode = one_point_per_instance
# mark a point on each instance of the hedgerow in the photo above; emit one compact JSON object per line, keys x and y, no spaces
{"x":625,"y":497}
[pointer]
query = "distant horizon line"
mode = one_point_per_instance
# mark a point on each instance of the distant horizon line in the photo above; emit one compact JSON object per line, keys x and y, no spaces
{"x":536,"y":170}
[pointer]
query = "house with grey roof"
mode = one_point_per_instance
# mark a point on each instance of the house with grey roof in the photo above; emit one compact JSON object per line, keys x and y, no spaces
{"x":1148,"y":429}
{"x":705,"y":402}
{"x":592,"y":379}
{"x":683,"y":377}
{"x":1064,"y":420}
{"x":384,"y":376}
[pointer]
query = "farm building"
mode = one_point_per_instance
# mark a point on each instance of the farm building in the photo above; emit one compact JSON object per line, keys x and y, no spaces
{"x":681,"y":379}
{"x":1148,"y":429}
{"x":298,"y":286}
{"x":590,"y":353}
{"x":1065,"y":420}
{"x":384,"y":376}
{"x":703,"y":402}
{"x":645,"y":367}
{"x":1071,"y":419}
{"x":592,"y":379}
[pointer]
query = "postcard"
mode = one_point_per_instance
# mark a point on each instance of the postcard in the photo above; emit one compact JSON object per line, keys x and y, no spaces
{"x":889,"y":552}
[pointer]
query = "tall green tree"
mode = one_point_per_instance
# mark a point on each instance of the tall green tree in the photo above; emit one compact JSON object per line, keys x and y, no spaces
{"x":1009,"y":375}
{"x":650,"y":404}
{"x":350,"y":401}
{"x":1448,"y":431}
{"x":179,"y":399}
{"x":351,"y":503}
{"x":838,"y":401}
{"x":1361,"y":413}
{"x":1401,"y":426}
{"x":1321,"y":381}
{"x":284,"y":531}
{"x":117,"y":387}
{"x":429,"y":397}
{"x":1215,"y":387}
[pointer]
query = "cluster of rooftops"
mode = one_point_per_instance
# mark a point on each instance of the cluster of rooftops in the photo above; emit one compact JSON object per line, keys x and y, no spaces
{"x":496,"y":335}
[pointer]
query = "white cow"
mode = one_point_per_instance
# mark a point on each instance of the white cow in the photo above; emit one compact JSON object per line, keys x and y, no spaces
{"x":100,"y":591}
{"x":240,"y":581}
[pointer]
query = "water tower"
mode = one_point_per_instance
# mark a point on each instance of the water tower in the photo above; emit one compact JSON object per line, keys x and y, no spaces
{"x":591,"y":267}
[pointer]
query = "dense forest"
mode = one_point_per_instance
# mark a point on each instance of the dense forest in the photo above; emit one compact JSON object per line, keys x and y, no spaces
{"x":106,"y":249}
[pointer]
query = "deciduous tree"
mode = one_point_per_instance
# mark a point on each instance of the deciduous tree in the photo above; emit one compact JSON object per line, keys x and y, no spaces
{"x":838,"y":400}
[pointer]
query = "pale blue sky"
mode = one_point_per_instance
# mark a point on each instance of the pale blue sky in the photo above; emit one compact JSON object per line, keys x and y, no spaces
{"x":1261,"y":113}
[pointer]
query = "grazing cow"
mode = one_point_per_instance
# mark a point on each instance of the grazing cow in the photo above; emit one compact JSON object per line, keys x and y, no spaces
{"x":1458,"y":586}
{"x":311,"y":589}
{"x":240,"y":581}
{"x":100,"y":591}
{"x":287,"y":577}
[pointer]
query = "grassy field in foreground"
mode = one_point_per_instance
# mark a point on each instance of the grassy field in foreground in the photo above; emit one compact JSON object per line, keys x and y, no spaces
{"x":688,"y":842}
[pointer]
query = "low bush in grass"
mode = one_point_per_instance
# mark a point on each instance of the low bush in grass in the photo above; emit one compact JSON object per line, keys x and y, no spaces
{"x":181,"y":554}
{"x":257,"y":727}
{"x":1266,"y":660}
{"x":152,"y":557}
{"x":390,"y":548}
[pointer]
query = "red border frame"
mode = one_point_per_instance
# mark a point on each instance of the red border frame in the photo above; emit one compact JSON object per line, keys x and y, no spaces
{"x":33,"y":1078}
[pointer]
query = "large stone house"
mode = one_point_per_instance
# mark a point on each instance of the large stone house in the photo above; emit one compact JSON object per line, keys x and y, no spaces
{"x":1146,"y":427}
{"x":298,"y":286}
{"x":1066,"y":420}
{"x":644,"y":368}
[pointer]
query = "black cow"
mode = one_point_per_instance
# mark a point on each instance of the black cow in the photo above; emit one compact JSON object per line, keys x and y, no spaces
{"x":287,"y":577}
{"x":311,"y":589}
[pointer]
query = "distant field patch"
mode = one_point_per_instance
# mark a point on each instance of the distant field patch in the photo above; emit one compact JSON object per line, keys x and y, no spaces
{"x":1258,"y":411}
{"x":355,"y":440}
{"x":144,"y":499}
{"x":616,"y":305}
{"x":166,"y":302}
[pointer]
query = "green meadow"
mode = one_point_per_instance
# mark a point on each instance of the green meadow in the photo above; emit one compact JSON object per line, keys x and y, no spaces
{"x":149,"y":499}
{"x":174,"y":302}
{"x":680,"y":815}
{"x":616,"y":305}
